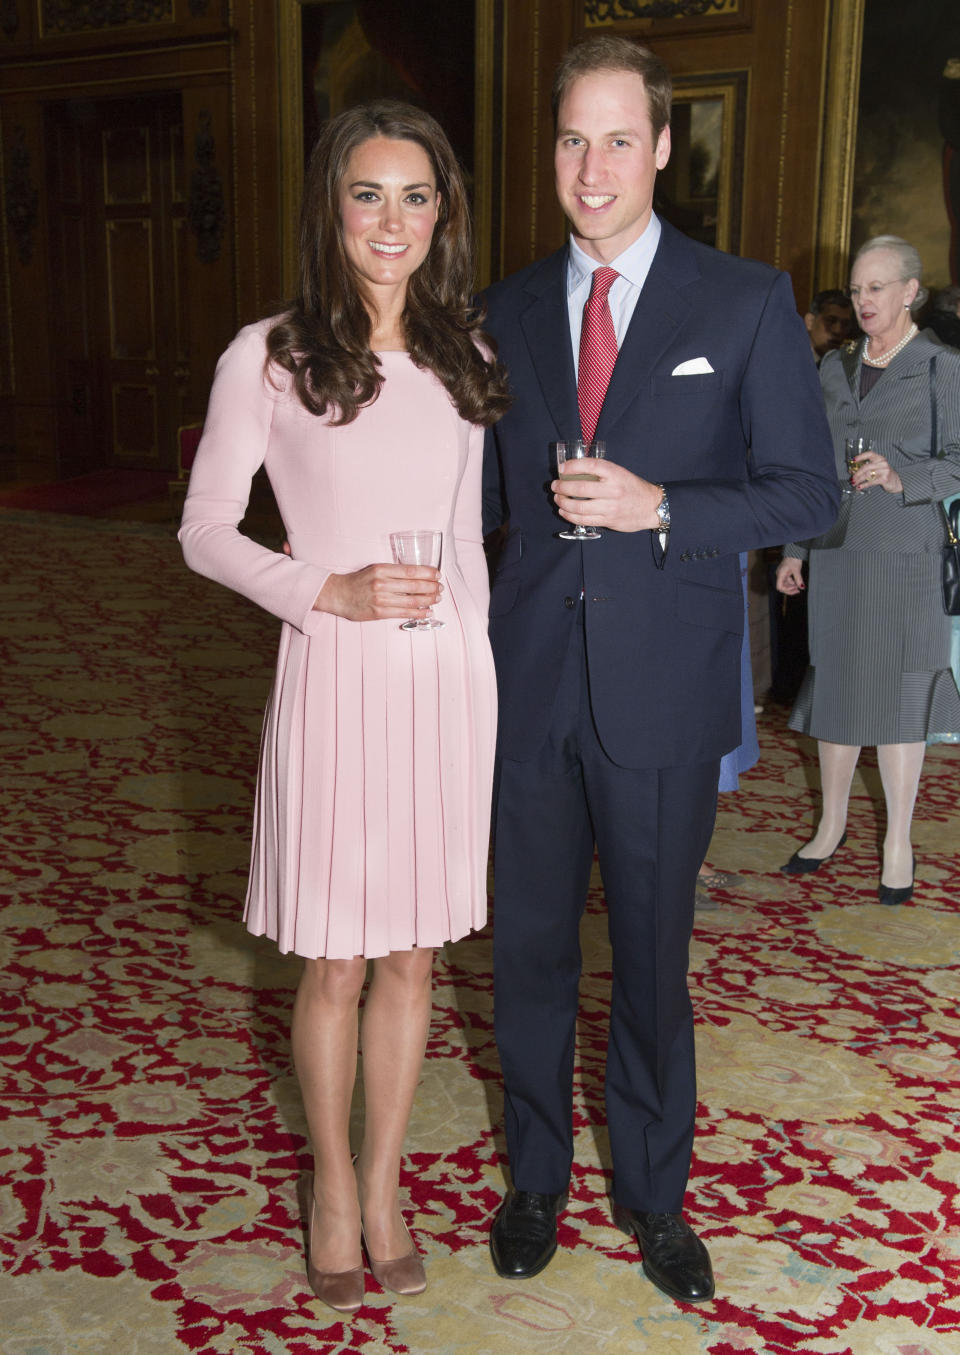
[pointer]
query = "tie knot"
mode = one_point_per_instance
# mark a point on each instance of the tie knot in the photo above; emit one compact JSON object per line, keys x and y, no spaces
{"x":603,"y":280}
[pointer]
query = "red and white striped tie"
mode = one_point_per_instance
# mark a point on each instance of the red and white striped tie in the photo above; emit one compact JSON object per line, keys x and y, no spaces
{"x":598,"y":351}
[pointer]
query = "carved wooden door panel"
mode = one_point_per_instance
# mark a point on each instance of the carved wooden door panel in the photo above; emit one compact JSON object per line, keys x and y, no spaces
{"x":141,"y":197}
{"x":117,"y":193}
{"x":72,"y":271}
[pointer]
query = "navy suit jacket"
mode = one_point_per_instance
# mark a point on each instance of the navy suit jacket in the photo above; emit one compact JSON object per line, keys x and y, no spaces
{"x":747,"y":461}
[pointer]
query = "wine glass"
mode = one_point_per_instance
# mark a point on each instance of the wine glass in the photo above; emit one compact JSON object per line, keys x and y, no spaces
{"x":578,"y":450}
{"x":418,"y":548}
{"x":854,"y":448}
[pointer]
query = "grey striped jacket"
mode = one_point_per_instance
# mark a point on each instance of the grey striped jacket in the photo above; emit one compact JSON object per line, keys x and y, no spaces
{"x":896,"y":414}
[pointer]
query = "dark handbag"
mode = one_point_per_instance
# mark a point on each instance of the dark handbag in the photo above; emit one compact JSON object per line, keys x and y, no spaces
{"x":951,"y":548}
{"x":951,"y":560}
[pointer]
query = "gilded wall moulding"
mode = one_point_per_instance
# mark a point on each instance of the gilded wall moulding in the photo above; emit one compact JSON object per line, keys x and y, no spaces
{"x":9,"y":18}
{"x":206,"y":209}
{"x":76,"y":16}
{"x":598,"y":12}
{"x":22,"y":196}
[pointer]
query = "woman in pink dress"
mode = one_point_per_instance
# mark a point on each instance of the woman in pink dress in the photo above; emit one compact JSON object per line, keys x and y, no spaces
{"x":366,"y":403}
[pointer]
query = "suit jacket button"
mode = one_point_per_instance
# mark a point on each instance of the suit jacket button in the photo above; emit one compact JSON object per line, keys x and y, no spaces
{"x":685,"y":555}
{"x":715,"y":552}
{"x":569,"y":602}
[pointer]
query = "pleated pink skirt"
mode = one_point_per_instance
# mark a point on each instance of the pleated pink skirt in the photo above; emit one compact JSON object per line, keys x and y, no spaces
{"x":373,"y":799}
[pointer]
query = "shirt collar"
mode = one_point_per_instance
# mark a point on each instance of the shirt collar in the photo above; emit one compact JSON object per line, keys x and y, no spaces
{"x":633,"y":264}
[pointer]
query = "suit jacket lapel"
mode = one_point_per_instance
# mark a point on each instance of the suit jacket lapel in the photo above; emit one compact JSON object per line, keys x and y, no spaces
{"x":850,"y":361}
{"x":546,"y":328}
{"x":660,"y":311}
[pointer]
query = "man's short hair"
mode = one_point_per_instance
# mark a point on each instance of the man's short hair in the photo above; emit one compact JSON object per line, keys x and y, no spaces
{"x":831,"y":297}
{"x":609,"y":53}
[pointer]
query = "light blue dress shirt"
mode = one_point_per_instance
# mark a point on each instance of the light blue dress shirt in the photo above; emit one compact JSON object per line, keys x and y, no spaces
{"x":633,"y":265}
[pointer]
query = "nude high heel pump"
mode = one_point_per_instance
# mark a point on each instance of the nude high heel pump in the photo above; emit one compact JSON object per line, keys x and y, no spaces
{"x":341,"y":1290}
{"x":404,"y":1275}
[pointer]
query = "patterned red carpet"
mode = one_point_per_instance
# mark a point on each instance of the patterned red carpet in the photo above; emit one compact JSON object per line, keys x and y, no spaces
{"x":152,"y":1130}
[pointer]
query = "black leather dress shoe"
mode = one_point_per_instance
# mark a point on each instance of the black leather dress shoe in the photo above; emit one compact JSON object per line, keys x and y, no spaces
{"x":806,"y":865}
{"x":674,"y":1258}
{"x":524,"y":1233}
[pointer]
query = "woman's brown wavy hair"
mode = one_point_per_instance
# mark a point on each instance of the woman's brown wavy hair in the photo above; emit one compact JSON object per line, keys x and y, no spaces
{"x":323,"y":340}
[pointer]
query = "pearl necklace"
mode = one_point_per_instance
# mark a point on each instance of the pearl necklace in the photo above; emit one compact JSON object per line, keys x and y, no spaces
{"x":891,"y":353}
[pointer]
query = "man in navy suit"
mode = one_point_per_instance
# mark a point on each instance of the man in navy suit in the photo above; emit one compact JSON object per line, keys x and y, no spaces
{"x":618,"y":659}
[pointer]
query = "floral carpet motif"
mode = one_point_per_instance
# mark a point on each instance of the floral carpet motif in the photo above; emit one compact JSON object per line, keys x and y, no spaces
{"x":153,"y":1138}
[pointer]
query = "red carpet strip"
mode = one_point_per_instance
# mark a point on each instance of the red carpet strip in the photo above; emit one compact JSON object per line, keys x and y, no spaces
{"x":91,"y":494}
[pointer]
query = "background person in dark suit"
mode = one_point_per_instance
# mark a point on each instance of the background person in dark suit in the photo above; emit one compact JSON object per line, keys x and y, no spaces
{"x":618,"y":660}
{"x":829,"y":321}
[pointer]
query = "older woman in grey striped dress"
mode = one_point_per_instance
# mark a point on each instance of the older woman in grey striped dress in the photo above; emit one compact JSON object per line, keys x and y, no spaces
{"x":879,"y":638}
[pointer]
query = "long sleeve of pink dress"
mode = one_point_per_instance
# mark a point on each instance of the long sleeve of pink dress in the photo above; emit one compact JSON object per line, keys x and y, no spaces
{"x":373,"y":795}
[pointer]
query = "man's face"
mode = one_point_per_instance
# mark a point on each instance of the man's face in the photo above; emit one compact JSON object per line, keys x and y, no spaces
{"x":832,"y":327}
{"x":606,"y":161}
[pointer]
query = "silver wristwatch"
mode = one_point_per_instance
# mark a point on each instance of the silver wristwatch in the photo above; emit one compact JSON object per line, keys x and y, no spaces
{"x":663,"y":510}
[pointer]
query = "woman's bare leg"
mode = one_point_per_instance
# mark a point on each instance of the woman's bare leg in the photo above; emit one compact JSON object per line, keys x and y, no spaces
{"x":838,"y":762}
{"x":900,"y":767}
{"x":396,"y":1020}
{"x":324,"y":1039}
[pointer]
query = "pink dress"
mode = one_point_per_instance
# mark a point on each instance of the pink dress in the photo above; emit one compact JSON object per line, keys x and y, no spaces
{"x":376,"y":762}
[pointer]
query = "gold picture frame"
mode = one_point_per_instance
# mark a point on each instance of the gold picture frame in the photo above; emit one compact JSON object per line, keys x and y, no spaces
{"x":667,"y":17}
{"x":842,"y":50}
{"x":701,"y":189}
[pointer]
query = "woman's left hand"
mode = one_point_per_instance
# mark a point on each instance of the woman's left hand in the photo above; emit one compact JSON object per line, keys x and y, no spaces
{"x":875,"y":470}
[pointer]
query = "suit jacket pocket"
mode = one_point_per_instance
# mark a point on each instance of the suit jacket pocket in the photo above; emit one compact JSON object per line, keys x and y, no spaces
{"x":700,"y":605}
{"x":697,"y":383}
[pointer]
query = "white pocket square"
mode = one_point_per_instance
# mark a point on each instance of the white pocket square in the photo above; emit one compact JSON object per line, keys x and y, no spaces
{"x":692,"y":367}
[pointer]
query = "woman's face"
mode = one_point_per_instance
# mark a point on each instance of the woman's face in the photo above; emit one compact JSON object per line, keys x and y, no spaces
{"x":388,"y":209}
{"x":880,"y":294}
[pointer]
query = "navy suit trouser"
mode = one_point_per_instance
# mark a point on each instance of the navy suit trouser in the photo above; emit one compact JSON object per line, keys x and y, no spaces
{"x":651,"y":828}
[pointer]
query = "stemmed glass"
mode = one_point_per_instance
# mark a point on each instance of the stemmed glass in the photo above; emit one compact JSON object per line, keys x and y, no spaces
{"x":578,"y":450}
{"x":418,"y":548}
{"x":854,"y":448}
